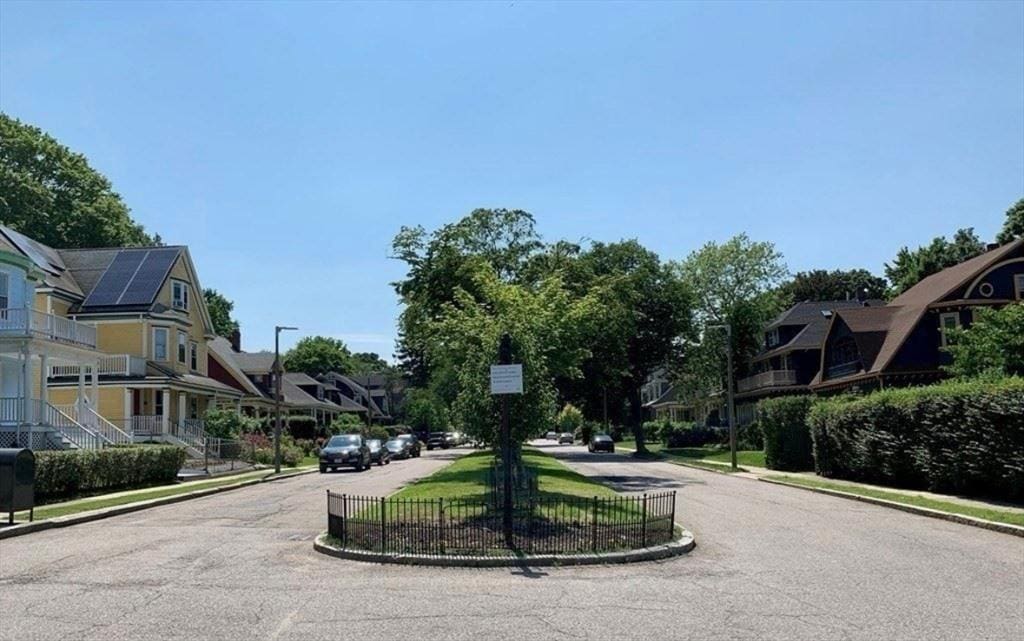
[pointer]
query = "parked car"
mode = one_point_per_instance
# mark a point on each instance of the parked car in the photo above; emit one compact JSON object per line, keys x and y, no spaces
{"x":565,"y":437}
{"x":551,"y":436}
{"x":378,"y":453}
{"x":436,"y":440}
{"x":345,"y":450}
{"x":601,"y":443}
{"x":414,"y":444}
{"x":398,"y":448}
{"x":451,"y":439}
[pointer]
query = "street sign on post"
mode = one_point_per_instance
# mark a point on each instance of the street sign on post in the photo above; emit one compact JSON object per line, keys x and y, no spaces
{"x":506,"y":379}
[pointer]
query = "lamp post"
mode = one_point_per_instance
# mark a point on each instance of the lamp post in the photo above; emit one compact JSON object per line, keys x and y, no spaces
{"x":732,"y":404}
{"x":277,"y":395}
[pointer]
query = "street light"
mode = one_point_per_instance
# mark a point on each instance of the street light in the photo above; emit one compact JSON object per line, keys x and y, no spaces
{"x":277,"y":395}
{"x":732,"y":405}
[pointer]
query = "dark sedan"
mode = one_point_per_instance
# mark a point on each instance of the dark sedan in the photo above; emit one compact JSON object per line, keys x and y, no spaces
{"x":398,"y":448}
{"x":601,"y":443}
{"x":414,"y":443}
{"x":345,"y":450}
{"x":378,"y":453}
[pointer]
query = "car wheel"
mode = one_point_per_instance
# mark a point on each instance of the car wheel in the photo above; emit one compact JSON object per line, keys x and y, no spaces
{"x":323,"y":469}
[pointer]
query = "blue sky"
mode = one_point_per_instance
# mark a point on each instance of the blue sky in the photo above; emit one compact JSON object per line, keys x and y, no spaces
{"x":287,"y":143}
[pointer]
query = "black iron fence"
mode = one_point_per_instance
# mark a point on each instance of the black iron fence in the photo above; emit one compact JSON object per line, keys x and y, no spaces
{"x":542,"y":524}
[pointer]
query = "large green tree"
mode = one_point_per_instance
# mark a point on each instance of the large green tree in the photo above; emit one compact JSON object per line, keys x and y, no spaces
{"x":645,"y":311}
{"x":992,"y":346}
{"x":838,"y":284}
{"x":315,"y":355}
{"x":1013,"y":228}
{"x":911,"y":266}
{"x":734,"y":284}
{"x":51,"y":194}
{"x":220,"y":312}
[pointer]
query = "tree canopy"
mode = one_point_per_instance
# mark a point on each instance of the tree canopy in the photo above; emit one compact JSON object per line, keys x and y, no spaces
{"x":838,"y":284}
{"x":220,"y":312}
{"x":1013,"y":227}
{"x":316,"y":355}
{"x":911,"y":266}
{"x":992,"y":346}
{"x":51,"y":194}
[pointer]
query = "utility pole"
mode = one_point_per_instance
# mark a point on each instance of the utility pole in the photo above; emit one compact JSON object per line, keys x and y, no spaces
{"x":732,"y":404}
{"x":277,"y":395}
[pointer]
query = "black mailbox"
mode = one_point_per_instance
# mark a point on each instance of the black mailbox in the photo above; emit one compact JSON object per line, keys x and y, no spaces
{"x":17,"y":482}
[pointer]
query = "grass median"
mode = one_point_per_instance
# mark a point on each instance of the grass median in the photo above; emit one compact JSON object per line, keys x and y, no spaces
{"x":712,"y":457}
{"x":906,"y":498}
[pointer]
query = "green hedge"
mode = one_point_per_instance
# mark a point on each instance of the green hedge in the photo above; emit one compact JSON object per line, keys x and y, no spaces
{"x":301,"y":426}
{"x":65,"y":473}
{"x":960,"y":437}
{"x":787,"y":438}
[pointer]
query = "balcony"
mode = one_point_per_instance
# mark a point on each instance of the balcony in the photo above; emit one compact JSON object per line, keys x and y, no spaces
{"x":29,"y":323}
{"x":111,"y":365}
{"x":773,"y":378}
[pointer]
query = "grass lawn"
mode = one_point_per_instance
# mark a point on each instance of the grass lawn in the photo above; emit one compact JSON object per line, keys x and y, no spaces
{"x":132,"y":496}
{"x":712,"y":455}
{"x":989,"y":514}
{"x":468,"y":477}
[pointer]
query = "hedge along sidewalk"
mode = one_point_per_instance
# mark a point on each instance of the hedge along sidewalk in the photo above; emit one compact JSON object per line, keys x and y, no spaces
{"x":712,"y":460}
{"x":998,"y":517}
{"x":104,"y":506}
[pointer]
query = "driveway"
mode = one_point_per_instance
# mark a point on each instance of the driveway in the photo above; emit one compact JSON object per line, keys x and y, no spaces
{"x":771,"y":562}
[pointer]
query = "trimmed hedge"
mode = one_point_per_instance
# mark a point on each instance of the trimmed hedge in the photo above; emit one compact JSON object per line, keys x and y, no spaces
{"x":959,"y":437}
{"x":65,"y":473}
{"x":301,"y":426}
{"x":787,"y":439}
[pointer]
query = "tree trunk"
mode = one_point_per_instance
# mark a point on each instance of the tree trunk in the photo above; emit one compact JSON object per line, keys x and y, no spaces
{"x":636,"y":416}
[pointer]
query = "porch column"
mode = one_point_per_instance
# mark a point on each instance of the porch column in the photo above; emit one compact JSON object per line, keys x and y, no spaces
{"x":127,"y":413}
{"x":95,"y":381}
{"x":181,"y":407}
{"x":26,"y":393}
{"x":81,"y":384}
{"x":165,"y":418}
{"x":44,"y":395}
{"x":238,"y":406}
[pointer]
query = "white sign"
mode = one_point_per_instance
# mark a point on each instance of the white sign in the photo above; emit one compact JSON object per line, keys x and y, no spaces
{"x":507,"y":379}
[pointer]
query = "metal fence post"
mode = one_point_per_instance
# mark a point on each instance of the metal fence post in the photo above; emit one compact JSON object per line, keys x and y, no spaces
{"x":672,"y":521}
{"x":344,"y":520}
{"x":593,"y":541}
{"x":440,"y":507}
{"x":383,"y":526}
{"x":206,"y":455}
{"x":643,"y":527}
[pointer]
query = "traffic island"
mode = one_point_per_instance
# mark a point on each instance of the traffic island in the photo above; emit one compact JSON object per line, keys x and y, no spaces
{"x":682,"y":544}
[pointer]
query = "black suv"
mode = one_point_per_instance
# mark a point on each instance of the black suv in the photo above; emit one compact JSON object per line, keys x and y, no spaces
{"x":345,"y":450}
{"x":436,"y":439}
{"x":414,"y":443}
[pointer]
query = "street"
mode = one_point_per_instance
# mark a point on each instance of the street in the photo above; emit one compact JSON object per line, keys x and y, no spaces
{"x":771,"y":562}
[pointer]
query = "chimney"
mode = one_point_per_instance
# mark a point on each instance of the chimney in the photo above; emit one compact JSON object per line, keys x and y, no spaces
{"x":236,"y":340}
{"x":991,"y":246}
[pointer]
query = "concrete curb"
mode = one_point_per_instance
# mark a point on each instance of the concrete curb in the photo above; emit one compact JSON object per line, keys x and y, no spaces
{"x":684,"y":544}
{"x":1005,"y":528}
{"x":103,"y":513}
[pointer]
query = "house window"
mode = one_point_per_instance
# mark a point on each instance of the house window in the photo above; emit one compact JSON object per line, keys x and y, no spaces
{"x":193,"y":355}
{"x":179,"y":294}
{"x":181,"y":347}
{"x":5,"y":284}
{"x":773,"y":338}
{"x":947,"y":321}
{"x":1018,"y":281}
{"x":158,"y":403}
{"x":160,"y":343}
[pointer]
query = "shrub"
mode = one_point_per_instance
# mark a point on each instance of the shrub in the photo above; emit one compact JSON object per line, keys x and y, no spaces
{"x":302,"y":427}
{"x":226,"y":423}
{"x":570,"y":419}
{"x":750,"y":437}
{"x":688,"y":435}
{"x":787,"y":439}
{"x":957,"y":437}
{"x":346,"y":424}
{"x":65,"y":473}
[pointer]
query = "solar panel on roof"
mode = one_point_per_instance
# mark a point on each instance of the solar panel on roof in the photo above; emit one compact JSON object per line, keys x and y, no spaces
{"x":37,"y":257}
{"x":149,"y":277}
{"x":115,"y":279}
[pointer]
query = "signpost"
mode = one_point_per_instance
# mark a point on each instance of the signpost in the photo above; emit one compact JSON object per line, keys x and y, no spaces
{"x":506,"y":378}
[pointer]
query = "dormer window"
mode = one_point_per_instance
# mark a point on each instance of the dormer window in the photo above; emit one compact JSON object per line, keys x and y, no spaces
{"x":5,"y":288}
{"x":772,"y":338}
{"x":179,"y":295}
{"x":1018,"y":283}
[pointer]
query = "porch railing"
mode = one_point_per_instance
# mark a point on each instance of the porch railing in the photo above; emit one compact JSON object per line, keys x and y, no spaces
{"x":190,"y":431}
{"x":32,"y":323}
{"x":90,"y":418}
{"x":111,"y":365}
{"x":773,"y":378}
{"x":42,"y":414}
{"x":148,"y":425}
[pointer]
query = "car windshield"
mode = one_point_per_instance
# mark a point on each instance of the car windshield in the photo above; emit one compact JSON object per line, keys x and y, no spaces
{"x":602,"y":437}
{"x":407,"y":437}
{"x":373,"y":444}
{"x":343,"y":440}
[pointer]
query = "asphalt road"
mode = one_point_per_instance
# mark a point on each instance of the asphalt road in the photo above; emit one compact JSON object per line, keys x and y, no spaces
{"x":771,"y":562}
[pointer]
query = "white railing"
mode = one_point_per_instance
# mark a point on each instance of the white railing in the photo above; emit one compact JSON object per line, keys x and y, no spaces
{"x":11,"y":410}
{"x":37,"y":412}
{"x":190,"y":431}
{"x":773,"y":378}
{"x":111,"y":365}
{"x":153,"y":425}
{"x":29,"y":322}
{"x":90,"y":418}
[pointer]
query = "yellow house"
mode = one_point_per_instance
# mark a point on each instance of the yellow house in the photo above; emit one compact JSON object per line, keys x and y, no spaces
{"x":153,"y":328}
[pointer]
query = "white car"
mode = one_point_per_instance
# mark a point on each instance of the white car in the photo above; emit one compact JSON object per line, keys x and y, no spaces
{"x":551,"y":436}
{"x":565,"y":438}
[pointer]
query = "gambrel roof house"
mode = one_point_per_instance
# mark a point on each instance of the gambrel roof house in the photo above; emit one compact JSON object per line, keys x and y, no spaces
{"x":901,"y":343}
